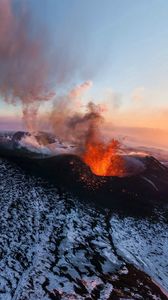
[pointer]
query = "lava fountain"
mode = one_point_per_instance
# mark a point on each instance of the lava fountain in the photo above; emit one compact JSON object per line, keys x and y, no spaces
{"x":104,"y":159}
{"x":86,"y":131}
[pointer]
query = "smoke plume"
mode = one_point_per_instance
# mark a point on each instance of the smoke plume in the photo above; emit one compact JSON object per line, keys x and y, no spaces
{"x":79,"y":90}
{"x":71,"y":121}
{"x":24,"y":68}
{"x":84,"y":129}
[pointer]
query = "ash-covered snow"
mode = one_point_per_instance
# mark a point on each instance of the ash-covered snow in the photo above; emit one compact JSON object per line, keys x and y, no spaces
{"x":49,"y":241}
{"x":143,"y":242}
{"x":54,"y":247}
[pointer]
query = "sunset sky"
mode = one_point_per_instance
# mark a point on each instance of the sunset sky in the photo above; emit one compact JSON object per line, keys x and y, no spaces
{"x":121,"y":46}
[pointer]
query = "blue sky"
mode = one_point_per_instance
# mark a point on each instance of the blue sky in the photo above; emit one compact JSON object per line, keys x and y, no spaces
{"x":123,"y":43}
{"x":118,"y":44}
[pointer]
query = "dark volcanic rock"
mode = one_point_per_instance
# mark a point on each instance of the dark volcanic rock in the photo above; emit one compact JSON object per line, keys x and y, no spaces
{"x":146,"y":188}
{"x":54,"y":246}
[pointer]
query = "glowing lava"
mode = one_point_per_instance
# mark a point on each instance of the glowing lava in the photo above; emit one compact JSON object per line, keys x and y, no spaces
{"x":103,"y":159}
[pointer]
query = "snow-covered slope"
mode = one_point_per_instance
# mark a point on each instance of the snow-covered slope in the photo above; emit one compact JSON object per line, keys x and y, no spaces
{"x":143,"y":242}
{"x":54,"y":247}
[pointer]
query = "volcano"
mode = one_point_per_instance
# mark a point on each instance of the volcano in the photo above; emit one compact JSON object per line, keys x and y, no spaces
{"x":55,"y":245}
{"x":145,"y":180}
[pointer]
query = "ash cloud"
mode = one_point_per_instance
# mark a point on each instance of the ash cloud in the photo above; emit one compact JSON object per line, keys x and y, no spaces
{"x":79,"y":90}
{"x":24,"y":68}
{"x":73,"y":122}
{"x":27,"y":74}
{"x":33,"y":67}
{"x":86,"y":127}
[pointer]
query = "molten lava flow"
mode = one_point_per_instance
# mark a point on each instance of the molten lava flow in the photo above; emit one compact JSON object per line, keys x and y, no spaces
{"x":103,"y":159}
